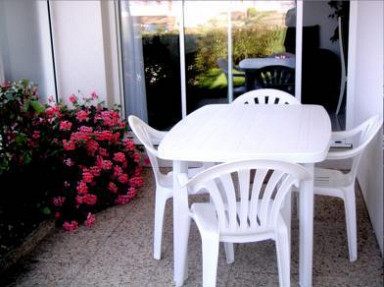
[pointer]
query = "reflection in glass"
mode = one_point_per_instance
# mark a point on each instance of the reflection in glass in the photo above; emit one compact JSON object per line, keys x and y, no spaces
{"x":206,"y":42}
{"x":151,"y":61}
{"x":212,"y":30}
{"x":263,"y":35}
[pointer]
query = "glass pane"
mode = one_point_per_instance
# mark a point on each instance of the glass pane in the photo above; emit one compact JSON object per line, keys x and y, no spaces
{"x":264,"y":34}
{"x":206,"y":41}
{"x":25,"y":44}
{"x":324,"y":57}
{"x":151,"y":61}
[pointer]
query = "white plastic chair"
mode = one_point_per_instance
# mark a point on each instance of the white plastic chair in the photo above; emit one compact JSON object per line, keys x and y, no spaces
{"x":266,"y":96}
{"x":247,"y":197}
{"x":269,"y":97}
{"x":332,"y":182}
{"x":164,"y":181}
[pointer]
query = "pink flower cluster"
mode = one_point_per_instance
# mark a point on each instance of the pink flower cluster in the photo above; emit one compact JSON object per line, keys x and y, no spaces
{"x":70,"y":226}
{"x":65,"y":126}
{"x":109,"y":118}
{"x":100,"y":167}
{"x":79,"y":147}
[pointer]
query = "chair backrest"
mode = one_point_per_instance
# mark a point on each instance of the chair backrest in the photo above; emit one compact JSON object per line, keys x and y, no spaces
{"x":248,"y":195}
{"x":266,"y":96}
{"x":276,"y":77}
{"x":147,"y":136}
{"x":365,"y":133}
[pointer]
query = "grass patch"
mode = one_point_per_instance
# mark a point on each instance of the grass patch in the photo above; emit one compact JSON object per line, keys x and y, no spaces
{"x":214,"y":78}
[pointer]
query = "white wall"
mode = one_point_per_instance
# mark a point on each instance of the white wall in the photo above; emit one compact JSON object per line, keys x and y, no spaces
{"x":79,"y":49}
{"x":25,"y":44}
{"x":84,"y":40}
{"x":365,"y":98}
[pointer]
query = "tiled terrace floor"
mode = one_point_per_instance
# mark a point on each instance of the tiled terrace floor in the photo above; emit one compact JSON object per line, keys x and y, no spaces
{"x":117,"y":251}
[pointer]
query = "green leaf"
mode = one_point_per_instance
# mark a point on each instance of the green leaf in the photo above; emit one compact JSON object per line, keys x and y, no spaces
{"x":27,"y":158}
{"x":37,"y":106}
{"x":9,"y":95}
{"x":46,"y":210}
{"x":24,"y":82}
{"x":21,"y":138}
{"x":26,"y":105}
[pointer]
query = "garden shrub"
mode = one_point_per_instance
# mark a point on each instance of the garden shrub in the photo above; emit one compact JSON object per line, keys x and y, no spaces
{"x":100,"y":167}
{"x":78,"y":155}
{"x":248,"y":42}
{"x":19,"y":106}
{"x":23,"y":181}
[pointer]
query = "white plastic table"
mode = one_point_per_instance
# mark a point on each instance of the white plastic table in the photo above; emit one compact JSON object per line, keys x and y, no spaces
{"x":221,"y":133}
{"x":258,"y":63}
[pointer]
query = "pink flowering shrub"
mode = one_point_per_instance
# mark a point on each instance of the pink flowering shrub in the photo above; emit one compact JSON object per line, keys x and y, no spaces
{"x":65,"y":161}
{"x":99,"y":167}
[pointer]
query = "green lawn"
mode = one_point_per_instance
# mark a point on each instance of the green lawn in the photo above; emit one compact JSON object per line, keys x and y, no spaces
{"x":215,"y":79}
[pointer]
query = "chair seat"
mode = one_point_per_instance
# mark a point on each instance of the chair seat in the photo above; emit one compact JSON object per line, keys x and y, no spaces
{"x":331,"y":178}
{"x":205,"y":217}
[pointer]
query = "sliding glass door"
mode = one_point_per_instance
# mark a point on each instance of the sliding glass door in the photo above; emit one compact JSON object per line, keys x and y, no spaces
{"x":206,"y":41}
{"x":151,"y":60}
{"x":181,"y":55}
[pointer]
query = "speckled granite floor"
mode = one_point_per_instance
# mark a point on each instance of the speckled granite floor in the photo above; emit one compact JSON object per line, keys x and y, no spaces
{"x":117,"y":251}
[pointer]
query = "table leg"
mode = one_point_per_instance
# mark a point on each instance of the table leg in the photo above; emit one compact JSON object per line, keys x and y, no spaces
{"x":306,"y":230}
{"x":181,"y":224}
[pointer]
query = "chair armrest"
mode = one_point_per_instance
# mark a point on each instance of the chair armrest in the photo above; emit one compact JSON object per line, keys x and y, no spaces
{"x":340,"y":135}
{"x":204,"y":215}
{"x":345,"y":154}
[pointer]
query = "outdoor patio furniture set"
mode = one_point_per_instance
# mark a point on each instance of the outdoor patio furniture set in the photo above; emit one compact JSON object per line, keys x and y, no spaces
{"x":253,"y":153}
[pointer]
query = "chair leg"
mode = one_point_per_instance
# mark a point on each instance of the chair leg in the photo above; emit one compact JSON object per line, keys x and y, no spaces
{"x":350,"y":218}
{"x":210,"y":258}
{"x":286,"y":212}
{"x":296,"y":198}
{"x":229,"y":252}
{"x":283,"y":256}
{"x":161,"y":200}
